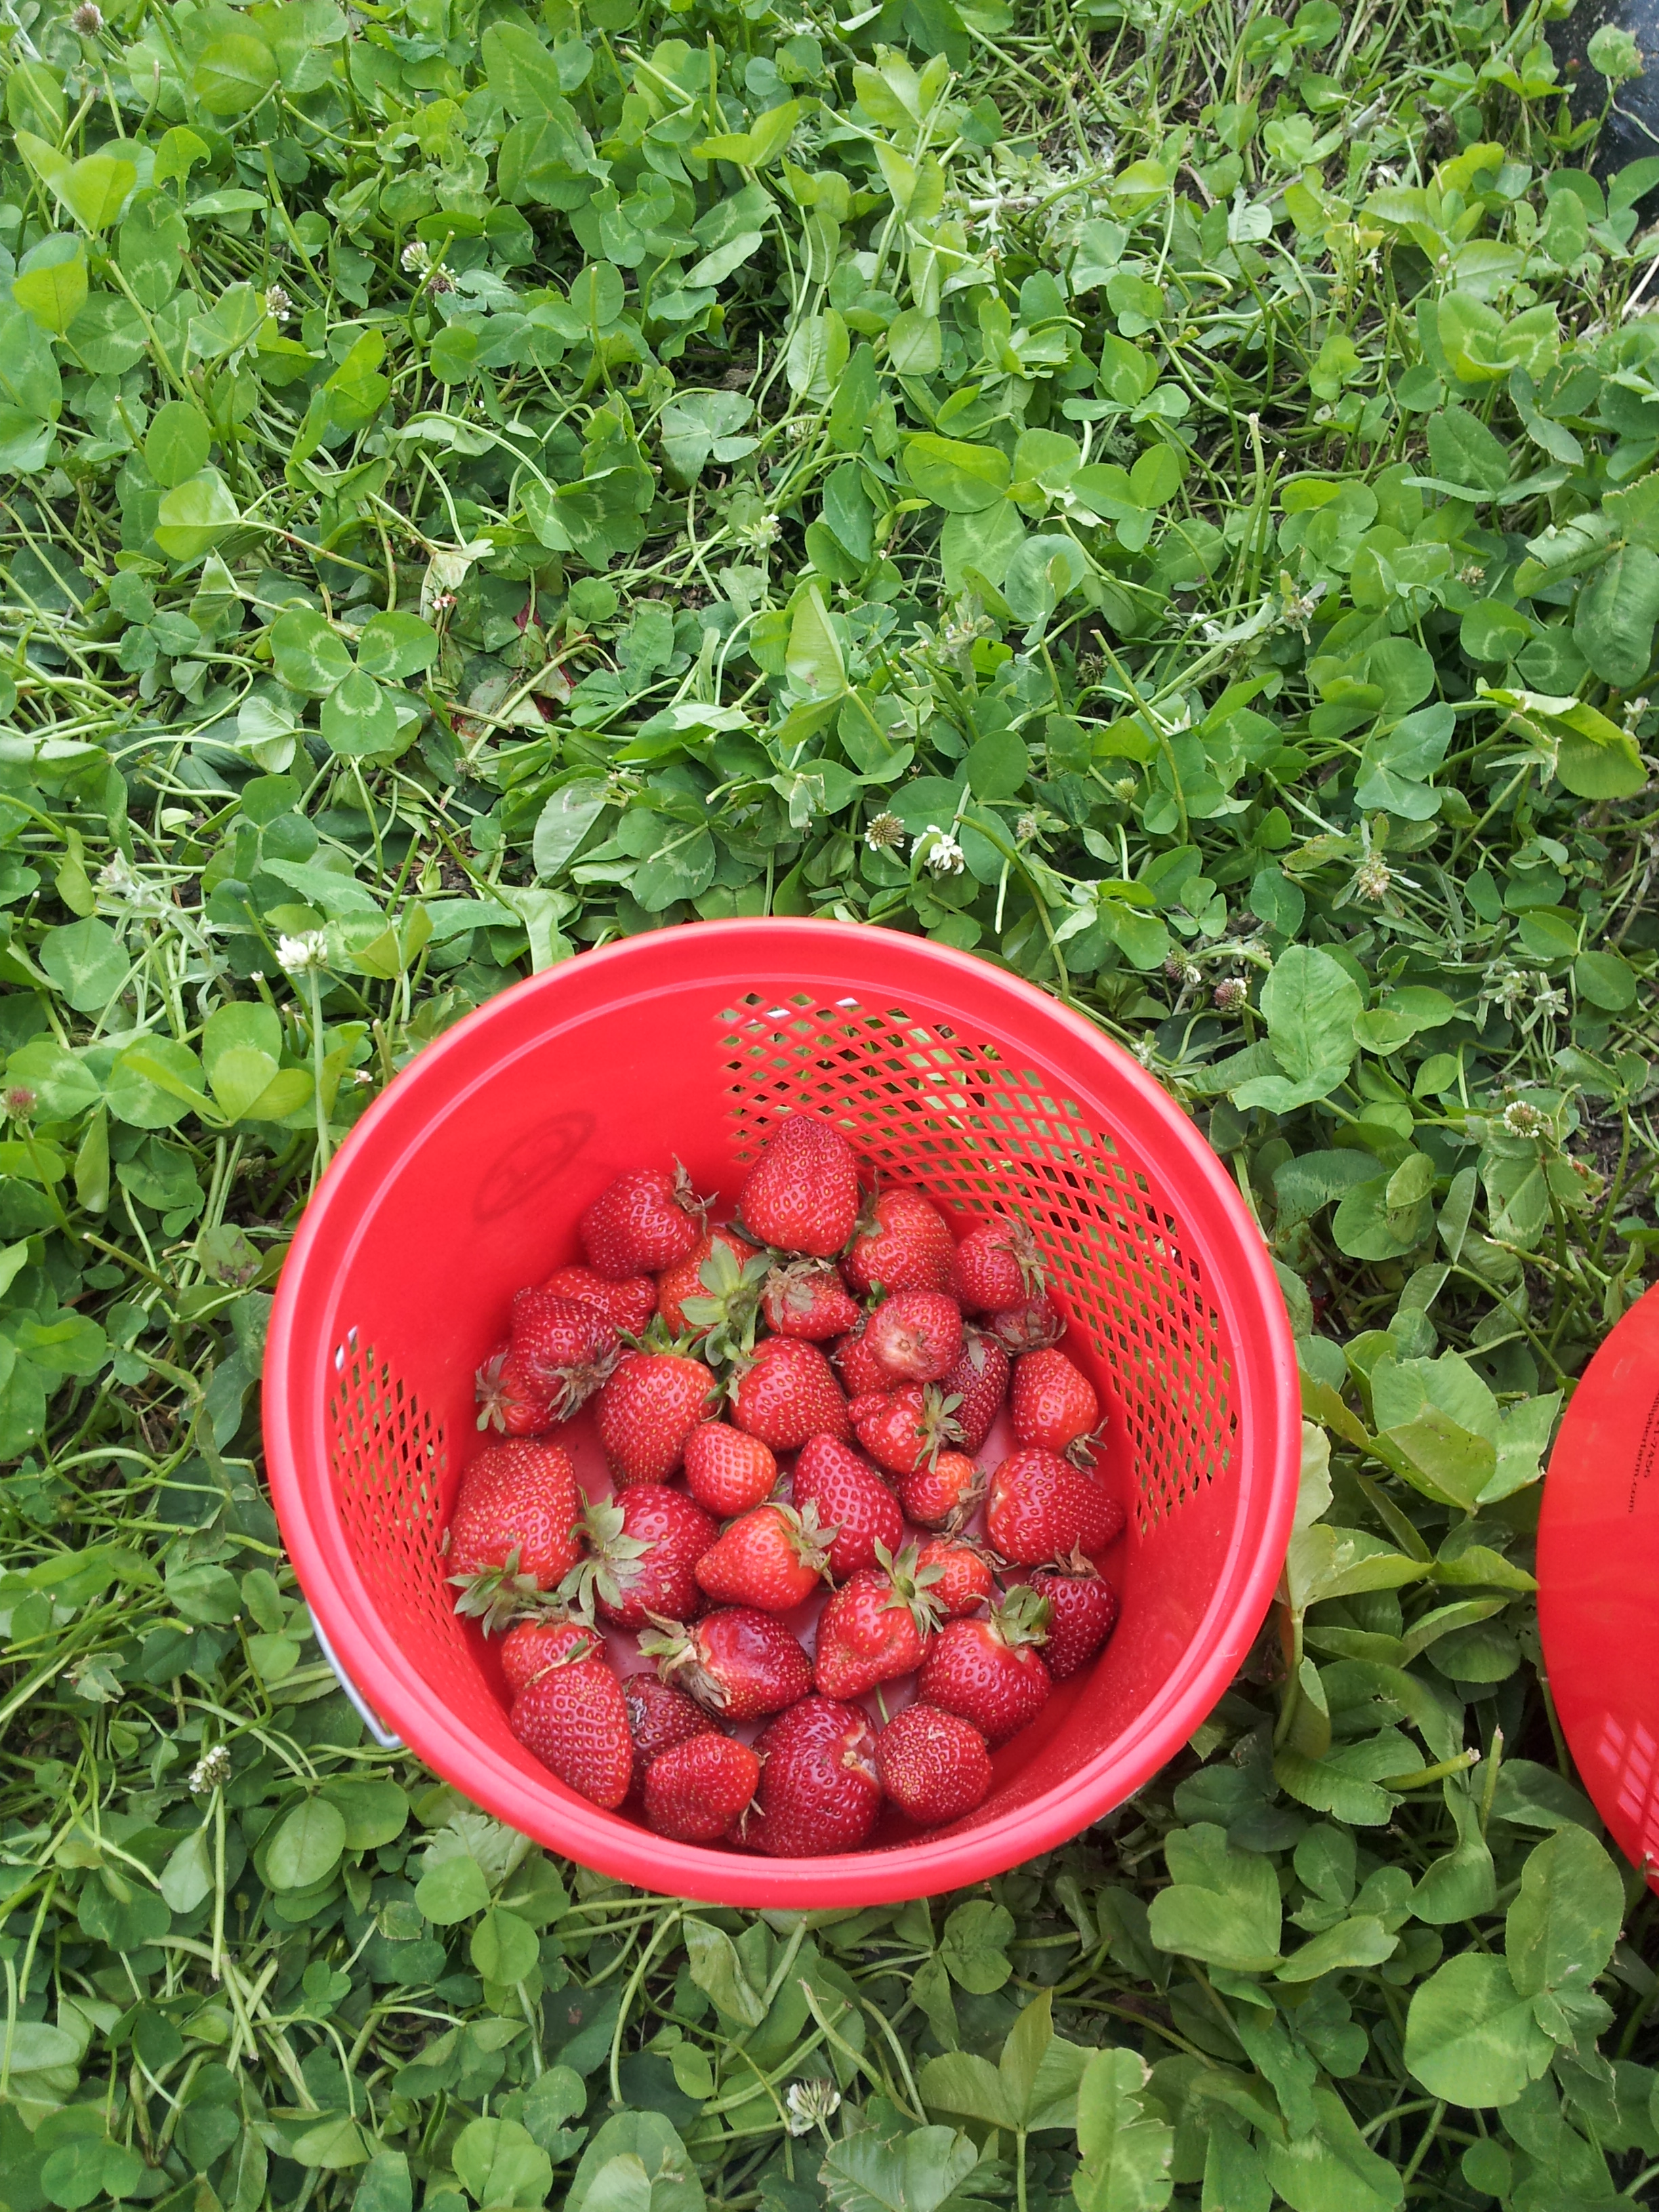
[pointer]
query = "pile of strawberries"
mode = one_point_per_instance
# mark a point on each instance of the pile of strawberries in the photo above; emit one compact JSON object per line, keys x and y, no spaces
{"x":853,"y":1340}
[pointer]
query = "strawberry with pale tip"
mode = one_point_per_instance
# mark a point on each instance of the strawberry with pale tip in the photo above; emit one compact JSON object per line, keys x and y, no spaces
{"x":818,"y":1789}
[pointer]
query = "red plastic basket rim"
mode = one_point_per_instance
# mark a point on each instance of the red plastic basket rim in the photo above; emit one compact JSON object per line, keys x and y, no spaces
{"x":296,"y":1382}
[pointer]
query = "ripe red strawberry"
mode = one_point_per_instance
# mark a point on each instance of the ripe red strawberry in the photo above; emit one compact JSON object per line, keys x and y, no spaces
{"x":564,"y":1348}
{"x":644,"y":1546}
{"x":514,"y":1518}
{"x":979,"y":1381}
{"x":1028,"y":1327}
{"x":944,"y":1494}
{"x":1053,"y":1404}
{"x":685,"y":1281}
{"x":819,"y":1791}
{"x":802,"y":1194}
{"x":862,"y":1375}
{"x":1082,"y":1613}
{"x":574,"y":1720}
{"x":916,"y":1336}
{"x":906,"y":1428}
{"x":627,"y":1305}
{"x":873,"y":1629}
{"x":646,"y":1410}
{"x":773,"y":1559}
{"x":647,"y":1220}
{"x":850,"y":1500}
{"x":533,"y":1645}
{"x":508,"y":1400}
{"x":808,"y":1299}
{"x":695,"y":1791}
{"x":727,"y":1472}
{"x":933,"y":1765}
{"x":738,"y":1662}
{"x":658,"y":1719}
{"x":958,"y":1576}
{"x":996,"y":1267}
{"x":990,"y":1671}
{"x":1039,"y":1506}
{"x":787,"y":1393}
{"x":904,"y":1243}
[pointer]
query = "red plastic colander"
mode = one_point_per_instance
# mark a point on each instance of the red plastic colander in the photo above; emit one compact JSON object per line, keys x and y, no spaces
{"x":1598,"y":1582}
{"x":464,"y":1181}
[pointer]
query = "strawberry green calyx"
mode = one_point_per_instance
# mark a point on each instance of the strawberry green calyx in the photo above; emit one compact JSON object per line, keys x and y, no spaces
{"x":809,"y":1536}
{"x":685,"y":1193}
{"x":675,"y":1650}
{"x":609,"y":1568}
{"x":497,"y":1596}
{"x":912,"y":1584}
{"x":724,"y":1321}
{"x":1022,"y":1616}
{"x":938,"y":1425}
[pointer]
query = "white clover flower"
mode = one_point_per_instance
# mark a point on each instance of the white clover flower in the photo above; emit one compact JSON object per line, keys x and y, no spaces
{"x":212,"y":1771}
{"x":297,"y":956}
{"x":1372,"y":879}
{"x":1523,"y":1119}
{"x":119,"y":887}
{"x":417,"y":256}
{"x":942,"y":856}
{"x":278,"y":305}
{"x":882,"y":831}
{"x":810,"y":2104}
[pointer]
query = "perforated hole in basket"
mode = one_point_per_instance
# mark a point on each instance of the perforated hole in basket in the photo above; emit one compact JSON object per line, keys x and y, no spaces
{"x":931,"y":1106}
{"x":388,"y":1456}
{"x":1631,"y":1759}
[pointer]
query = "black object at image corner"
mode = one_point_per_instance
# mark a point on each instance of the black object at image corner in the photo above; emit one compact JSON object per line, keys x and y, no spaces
{"x":1631,"y":131}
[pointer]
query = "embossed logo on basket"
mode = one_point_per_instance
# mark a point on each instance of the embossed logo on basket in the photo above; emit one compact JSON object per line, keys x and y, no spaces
{"x":531,"y":1165}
